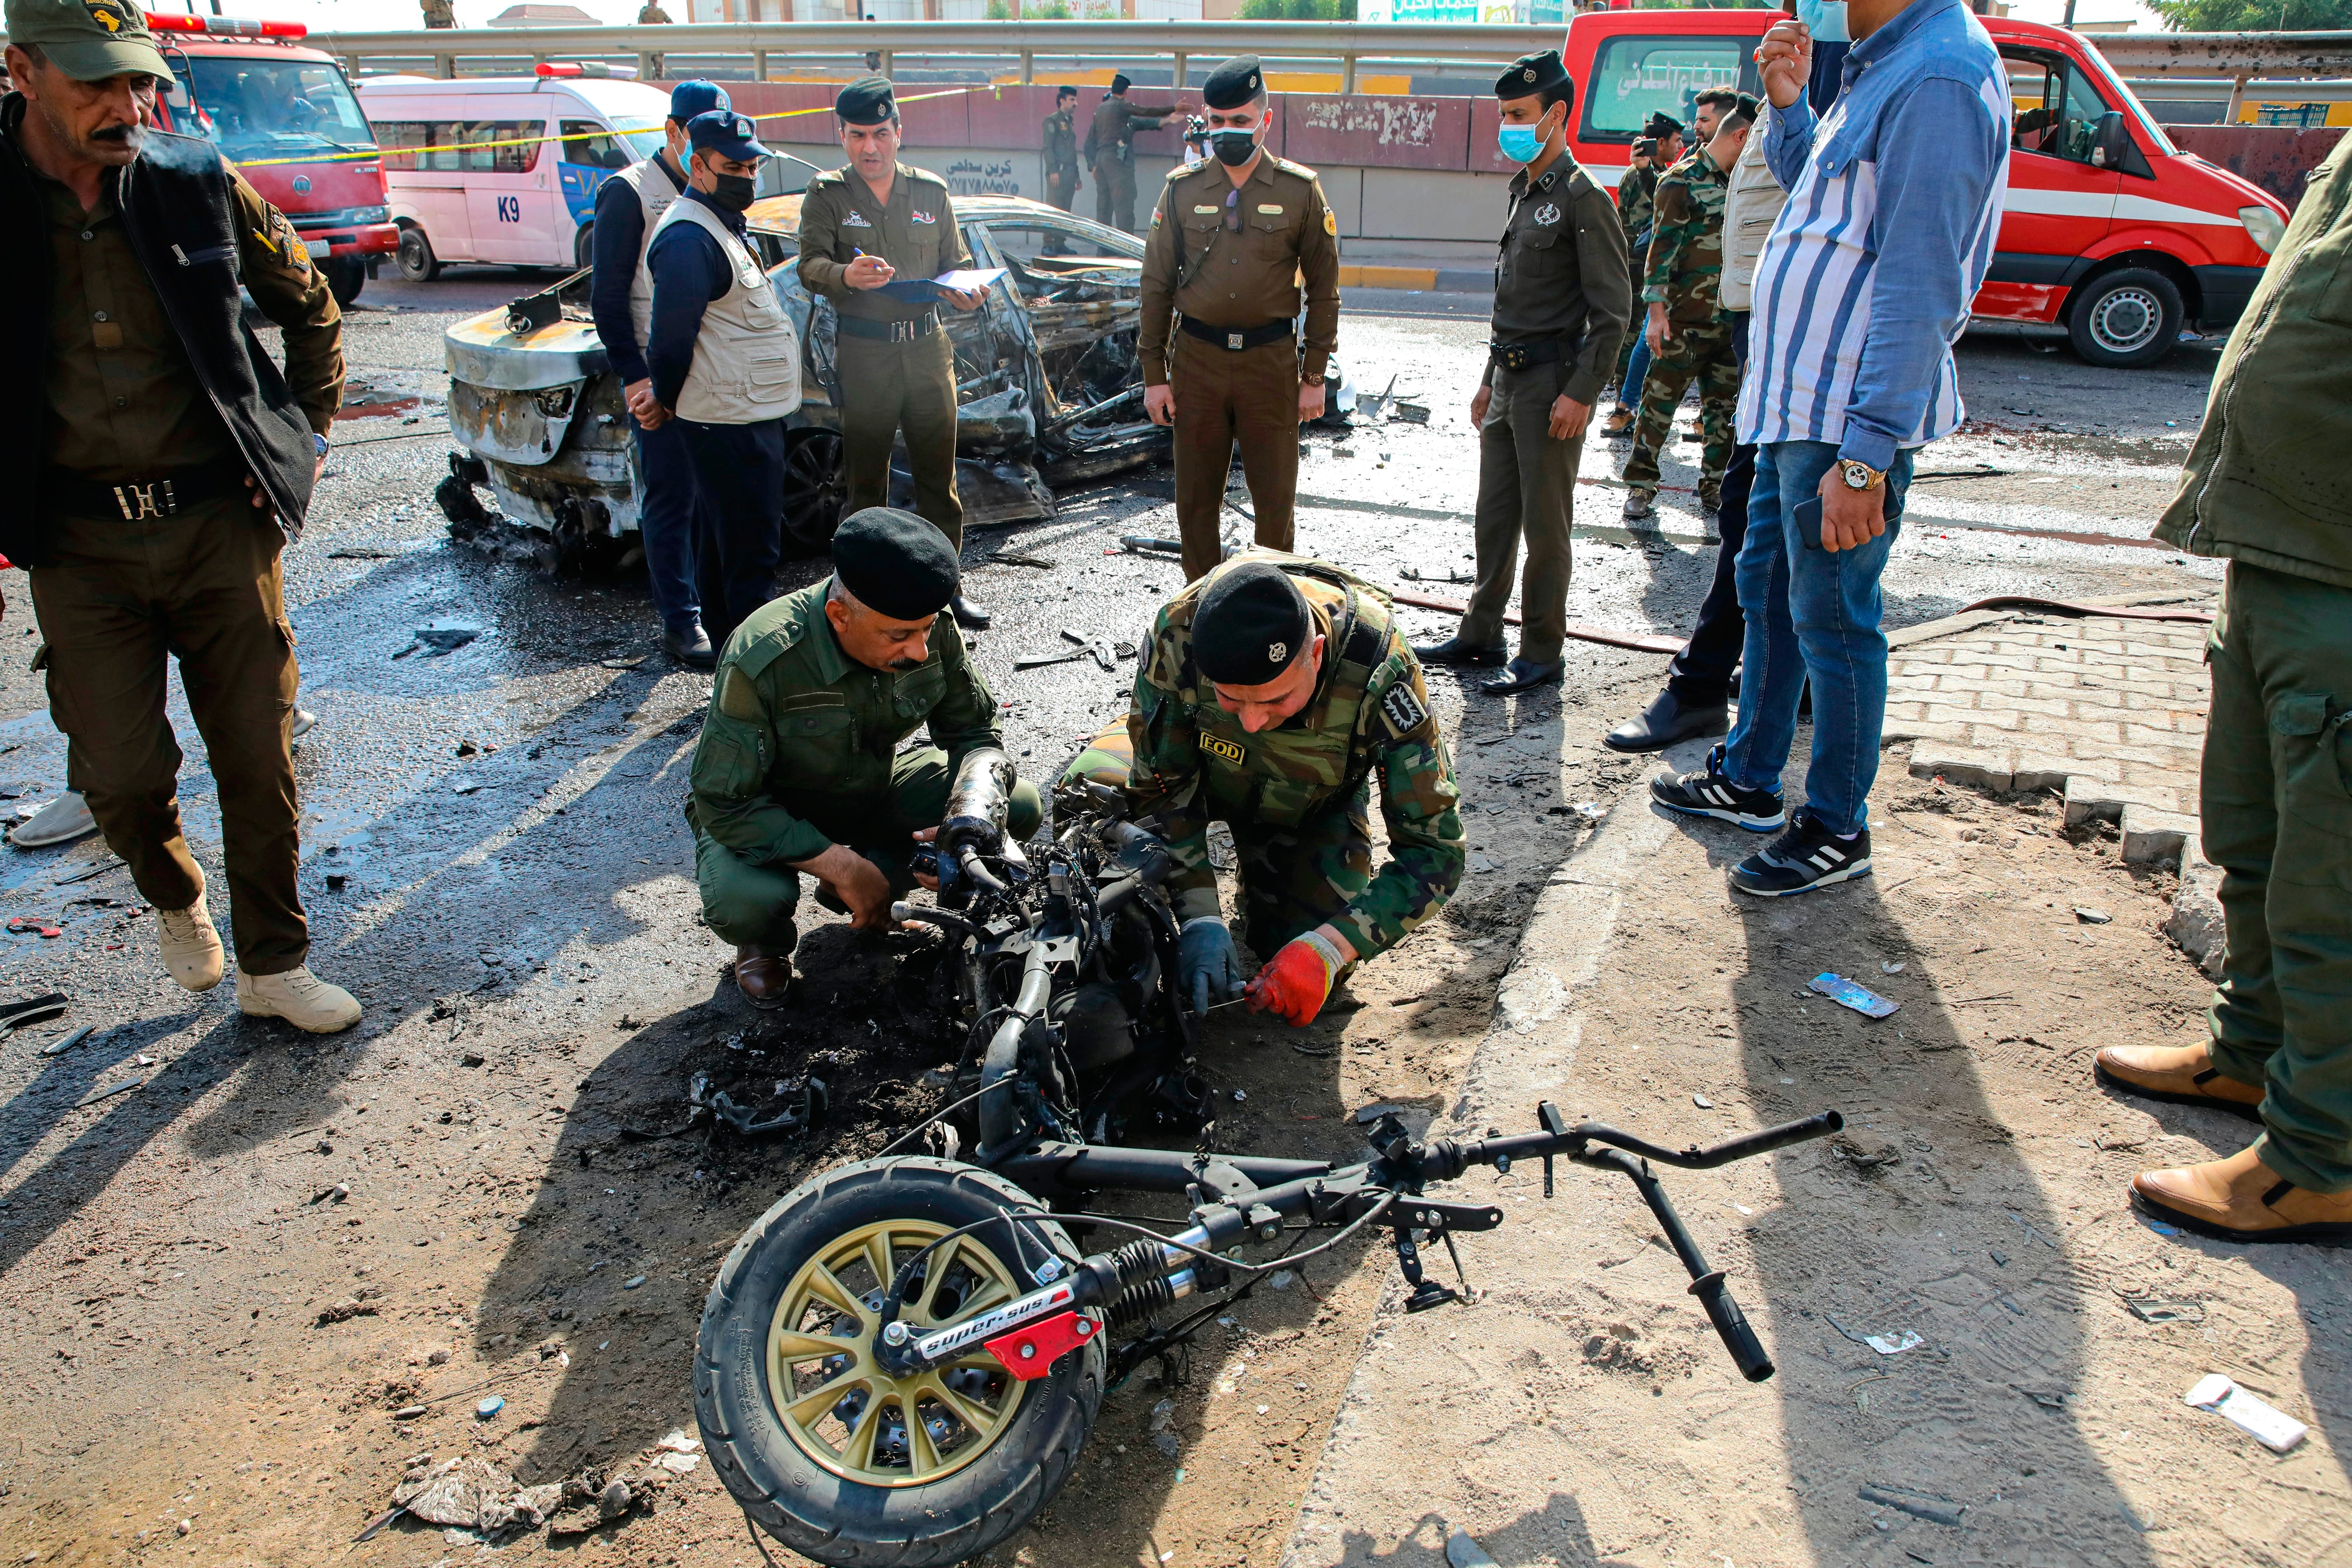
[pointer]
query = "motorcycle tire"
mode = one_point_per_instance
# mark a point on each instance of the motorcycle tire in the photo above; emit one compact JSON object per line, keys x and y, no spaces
{"x":859,"y":1498}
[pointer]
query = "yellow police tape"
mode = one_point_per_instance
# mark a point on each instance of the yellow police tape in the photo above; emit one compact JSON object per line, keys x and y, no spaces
{"x":535,"y":141}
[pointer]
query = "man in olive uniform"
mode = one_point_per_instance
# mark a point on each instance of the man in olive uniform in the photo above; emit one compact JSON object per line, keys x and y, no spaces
{"x":1561,"y":304}
{"x":1689,"y":330}
{"x":873,"y":236}
{"x":439,"y":12}
{"x":1061,"y":159}
{"x":2268,"y":486}
{"x":1110,"y":149}
{"x":1659,"y":149}
{"x":158,"y":462}
{"x":1274,"y":696}
{"x":649,"y":14}
{"x":1230,"y":241}
{"x":798,"y":772}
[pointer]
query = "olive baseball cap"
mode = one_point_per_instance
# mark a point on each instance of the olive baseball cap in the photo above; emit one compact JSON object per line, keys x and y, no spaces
{"x":89,"y":41}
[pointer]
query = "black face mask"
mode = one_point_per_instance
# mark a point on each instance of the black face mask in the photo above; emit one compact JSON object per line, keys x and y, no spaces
{"x":1233,"y":148}
{"x":736,"y":192}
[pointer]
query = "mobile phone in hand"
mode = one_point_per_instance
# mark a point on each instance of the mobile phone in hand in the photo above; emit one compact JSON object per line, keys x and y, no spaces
{"x":1809,"y":521}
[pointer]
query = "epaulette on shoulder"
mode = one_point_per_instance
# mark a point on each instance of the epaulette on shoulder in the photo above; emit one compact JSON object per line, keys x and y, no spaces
{"x":1288,"y":167}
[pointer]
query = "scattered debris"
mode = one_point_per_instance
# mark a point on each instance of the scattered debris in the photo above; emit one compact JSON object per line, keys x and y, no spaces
{"x":410,"y":1412}
{"x":2047,"y":1400}
{"x":441,"y":637}
{"x":1011,"y":558}
{"x":677,"y":1452}
{"x":1847,"y":993}
{"x":67,"y":1041}
{"x":1591,"y":810}
{"x":1412,"y":412}
{"x":1892,"y":966}
{"x":361,"y":1304}
{"x":1933,"y":1507}
{"x":489,"y":1407}
{"x":1890,"y":1344}
{"x":1702,"y":1102}
{"x":633,"y":1282}
{"x":1864,"y":1149}
{"x":1461,"y":1551}
{"x":32,"y":1010}
{"x":470,"y":1493}
{"x":95,"y":1095}
{"x":1281,"y":1279}
{"x":2168,"y":1311}
{"x":2091,"y":917}
{"x":2273,"y":1428}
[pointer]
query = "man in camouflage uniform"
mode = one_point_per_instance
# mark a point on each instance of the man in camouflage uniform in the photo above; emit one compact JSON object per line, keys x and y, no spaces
{"x":1658,"y":148}
{"x":1275,"y":695}
{"x":1689,"y":330}
{"x":798,"y":771}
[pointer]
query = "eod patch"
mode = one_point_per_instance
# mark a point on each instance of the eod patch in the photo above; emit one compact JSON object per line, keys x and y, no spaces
{"x":1218,"y":746}
{"x":1402,"y":710}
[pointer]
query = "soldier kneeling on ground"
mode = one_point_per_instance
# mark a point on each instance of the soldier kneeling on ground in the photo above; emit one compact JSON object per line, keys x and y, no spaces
{"x":1274,"y":696}
{"x":798,"y":771}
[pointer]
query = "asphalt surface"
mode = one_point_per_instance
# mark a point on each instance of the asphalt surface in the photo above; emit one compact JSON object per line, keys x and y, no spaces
{"x":501,"y":824}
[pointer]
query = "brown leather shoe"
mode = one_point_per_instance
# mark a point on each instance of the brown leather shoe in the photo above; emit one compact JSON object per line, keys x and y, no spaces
{"x":2242,"y":1199}
{"x":2185,"y":1075}
{"x":763,"y":975}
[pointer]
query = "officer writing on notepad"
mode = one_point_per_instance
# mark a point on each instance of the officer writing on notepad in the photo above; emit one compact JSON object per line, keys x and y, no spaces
{"x":871,"y":233}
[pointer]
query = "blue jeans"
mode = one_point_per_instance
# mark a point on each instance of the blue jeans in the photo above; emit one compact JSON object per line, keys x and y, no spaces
{"x":1637,"y":369}
{"x":1811,"y":612}
{"x":668,"y":504}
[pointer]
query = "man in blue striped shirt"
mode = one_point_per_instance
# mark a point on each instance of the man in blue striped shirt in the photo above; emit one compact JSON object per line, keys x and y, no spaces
{"x":1894,"y":204}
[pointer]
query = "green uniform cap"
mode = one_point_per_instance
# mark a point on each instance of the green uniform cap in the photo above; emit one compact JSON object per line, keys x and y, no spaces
{"x":89,"y":41}
{"x":1530,"y":75}
{"x":869,"y":101}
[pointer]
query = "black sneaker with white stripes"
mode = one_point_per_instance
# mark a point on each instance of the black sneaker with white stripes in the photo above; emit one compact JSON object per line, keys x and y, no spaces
{"x":1808,"y":856}
{"x":1707,"y":792}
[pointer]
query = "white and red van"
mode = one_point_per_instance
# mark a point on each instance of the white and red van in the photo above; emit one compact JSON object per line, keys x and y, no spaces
{"x":2108,"y":230}
{"x":285,"y":116}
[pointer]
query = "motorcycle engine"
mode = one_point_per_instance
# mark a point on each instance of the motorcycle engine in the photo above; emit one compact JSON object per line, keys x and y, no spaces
{"x":1097,"y":1031}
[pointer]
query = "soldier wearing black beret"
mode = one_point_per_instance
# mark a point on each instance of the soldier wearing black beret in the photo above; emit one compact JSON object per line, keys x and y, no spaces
{"x":1637,"y":203}
{"x":1230,"y":241}
{"x":798,"y":772}
{"x":1110,"y":152}
{"x":863,"y":226}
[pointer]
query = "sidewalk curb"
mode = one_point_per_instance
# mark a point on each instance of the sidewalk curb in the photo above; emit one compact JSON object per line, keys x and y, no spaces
{"x":1417,"y":280}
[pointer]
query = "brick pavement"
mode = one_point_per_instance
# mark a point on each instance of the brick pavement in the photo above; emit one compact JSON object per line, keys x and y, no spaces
{"x":2110,"y":711}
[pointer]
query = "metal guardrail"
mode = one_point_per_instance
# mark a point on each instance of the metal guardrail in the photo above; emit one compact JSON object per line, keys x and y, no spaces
{"x":1347,"y":43}
{"x":2238,"y":54}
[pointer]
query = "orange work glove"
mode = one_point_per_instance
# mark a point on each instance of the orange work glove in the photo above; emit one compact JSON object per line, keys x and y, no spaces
{"x":1294,"y":986}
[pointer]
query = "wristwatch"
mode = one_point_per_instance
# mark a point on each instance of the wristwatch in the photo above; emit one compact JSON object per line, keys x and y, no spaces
{"x":1859,"y":475}
{"x":1311,"y":380}
{"x":320,"y":441}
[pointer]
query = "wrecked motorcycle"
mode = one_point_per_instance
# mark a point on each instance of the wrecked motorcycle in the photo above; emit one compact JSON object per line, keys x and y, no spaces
{"x":900,"y":1361}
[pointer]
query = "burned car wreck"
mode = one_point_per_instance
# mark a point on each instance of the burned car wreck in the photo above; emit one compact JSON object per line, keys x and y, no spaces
{"x":1046,"y":371}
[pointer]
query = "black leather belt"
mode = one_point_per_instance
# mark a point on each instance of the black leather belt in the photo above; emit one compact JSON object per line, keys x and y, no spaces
{"x":1519,"y":356}
{"x":906,"y":331}
{"x":1234,"y":339}
{"x":166,"y":494}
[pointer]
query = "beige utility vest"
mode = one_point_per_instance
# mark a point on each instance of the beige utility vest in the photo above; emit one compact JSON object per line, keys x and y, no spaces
{"x":651,"y":184}
{"x":746,"y":363}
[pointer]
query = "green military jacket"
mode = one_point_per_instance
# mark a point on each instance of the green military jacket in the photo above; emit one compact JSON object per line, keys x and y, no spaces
{"x":1061,"y":142}
{"x":2265,"y":481}
{"x":1368,"y":720}
{"x":797,"y":729}
{"x":1636,"y":193}
{"x":1685,"y":262}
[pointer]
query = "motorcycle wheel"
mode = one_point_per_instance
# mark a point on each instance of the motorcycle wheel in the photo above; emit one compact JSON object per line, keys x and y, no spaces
{"x":813,"y":1437}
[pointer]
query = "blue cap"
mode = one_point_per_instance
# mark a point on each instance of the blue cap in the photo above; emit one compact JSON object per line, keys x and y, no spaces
{"x":688,"y":99}
{"x":725,"y":132}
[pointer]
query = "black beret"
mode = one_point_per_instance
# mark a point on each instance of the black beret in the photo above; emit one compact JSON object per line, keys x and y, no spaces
{"x":866,"y":101}
{"x":1252,"y":624}
{"x":894,"y":563}
{"x":1751,"y":105}
{"x":1531,"y":75}
{"x":1236,"y":84}
{"x":1661,"y":126}
{"x":1118,"y":82}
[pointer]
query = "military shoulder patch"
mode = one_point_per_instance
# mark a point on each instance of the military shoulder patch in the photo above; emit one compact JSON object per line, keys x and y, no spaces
{"x":739,"y":698}
{"x":1330,"y":222}
{"x":1218,"y":746}
{"x":1402,"y":710}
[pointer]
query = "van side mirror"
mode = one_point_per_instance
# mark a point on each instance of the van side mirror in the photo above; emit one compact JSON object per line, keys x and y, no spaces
{"x":2111,"y":144}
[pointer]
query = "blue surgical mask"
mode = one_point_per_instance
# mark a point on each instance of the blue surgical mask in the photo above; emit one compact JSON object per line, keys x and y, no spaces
{"x":1519,"y":143}
{"x":1825,"y":20}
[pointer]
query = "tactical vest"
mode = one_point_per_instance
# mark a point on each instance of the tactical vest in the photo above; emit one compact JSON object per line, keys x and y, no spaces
{"x":650,"y":181}
{"x":747,"y":362}
{"x":1318,"y":760}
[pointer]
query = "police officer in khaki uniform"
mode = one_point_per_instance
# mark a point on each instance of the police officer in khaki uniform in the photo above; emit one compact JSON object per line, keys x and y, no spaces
{"x":1561,"y":302}
{"x":1229,"y":240}
{"x":1110,"y":149}
{"x":798,"y":772}
{"x":1061,"y":133}
{"x":873,"y":234}
{"x":158,"y":462}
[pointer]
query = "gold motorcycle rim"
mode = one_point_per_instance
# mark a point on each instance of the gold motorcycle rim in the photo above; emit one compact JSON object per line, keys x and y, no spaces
{"x":852,"y":1415}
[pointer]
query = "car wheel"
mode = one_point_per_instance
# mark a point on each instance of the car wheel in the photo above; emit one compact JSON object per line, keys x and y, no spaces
{"x":2125,"y":319}
{"x":346,"y":276}
{"x":583,"y":246}
{"x":415,"y":258}
{"x":813,"y":488}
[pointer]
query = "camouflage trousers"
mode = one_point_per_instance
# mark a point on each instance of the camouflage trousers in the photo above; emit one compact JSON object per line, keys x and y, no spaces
{"x":1292,"y":880}
{"x":1704,"y":354}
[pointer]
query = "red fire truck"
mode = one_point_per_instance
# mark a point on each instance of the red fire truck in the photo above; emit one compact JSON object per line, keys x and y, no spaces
{"x":286,"y":117}
{"x":2108,"y":230}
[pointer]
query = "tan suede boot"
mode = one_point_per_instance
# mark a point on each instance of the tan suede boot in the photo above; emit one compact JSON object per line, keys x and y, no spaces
{"x":191,"y":946}
{"x":300,"y":997}
{"x":2185,"y":1075}
{"x":2242,"y":1199}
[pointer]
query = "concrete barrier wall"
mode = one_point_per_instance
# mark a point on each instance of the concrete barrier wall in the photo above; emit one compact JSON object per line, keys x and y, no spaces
{"x":2278,"y":158}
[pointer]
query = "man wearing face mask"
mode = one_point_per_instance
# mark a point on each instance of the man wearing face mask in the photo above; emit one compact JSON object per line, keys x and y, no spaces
{"x":725,"y":362}
{"x":1561,"y":302}
{"x":799,"y":771}
{"x":629,"y":205}
{"x":1230,"y":242}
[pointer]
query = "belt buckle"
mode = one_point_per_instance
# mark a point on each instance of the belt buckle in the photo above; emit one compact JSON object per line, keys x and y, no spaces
{"x":1234,"y":341}
{"x":901,"y":331}
{"x":139,"y":502}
